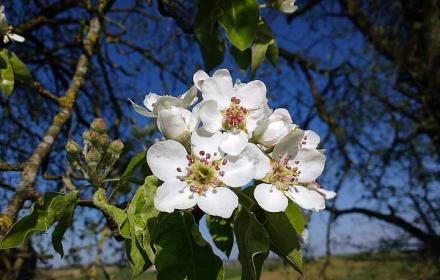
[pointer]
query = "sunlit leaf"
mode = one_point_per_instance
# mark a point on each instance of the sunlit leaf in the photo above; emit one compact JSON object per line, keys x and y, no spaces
{"x":263,"y":42}
{"x":55,"y":206}
{"x":253,"y":243}
{"x":64,"y":222}
{"x":284,"y":229}
{"x":221,"y":232}
{"x":6,"y":75}
{"x":21,"y":72}
{"x":240,"y":19}
{"x":117,"y":214}
{"x":182,"y":253}
{"x":272,"y":53}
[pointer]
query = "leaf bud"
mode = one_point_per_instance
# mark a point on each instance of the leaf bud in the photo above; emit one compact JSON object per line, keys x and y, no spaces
{"x":98,"y":125}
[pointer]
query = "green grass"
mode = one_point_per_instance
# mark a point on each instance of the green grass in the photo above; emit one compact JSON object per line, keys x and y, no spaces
{"x":389,"y":266}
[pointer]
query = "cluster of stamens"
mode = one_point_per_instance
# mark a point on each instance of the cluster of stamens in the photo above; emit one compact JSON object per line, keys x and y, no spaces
{"x":283,"y":174}
{"x":235,"y":115}
{"x":201,"y":173}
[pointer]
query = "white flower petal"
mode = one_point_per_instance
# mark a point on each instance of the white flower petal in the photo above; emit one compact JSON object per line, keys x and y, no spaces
{"x":310,"y":162}
{"x":238,"y":170}
{"x":270,"y":198}
{"x":174,"y":195}
{"x":213,"y":89}
{"x":256,"y":117}
{"x":306,"y":198}
{"x":173,"y":122}
{"x":274,"y":128}
{"x":165,"y":102}
{"x":199,"y":77}
{"x":203,"y":140}
{"x":288,"y":145}
{"x":188,"y":98}
{"x":150,"y":99}
{"x":234,"y":142}
{"x":164,"y":157}
{"x":224,"y":79}
{"x":309,"y":140}
{"x":260,"y":160}
{"x":219,"y":201}
{"x":210,"y":116}
{"x":252,"y":95}
{"x":141,"y":110}
{"x":16,"y":37}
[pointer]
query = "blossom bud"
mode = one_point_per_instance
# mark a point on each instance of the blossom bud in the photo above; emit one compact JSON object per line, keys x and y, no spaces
{"x":93,"y":157}
{"x":273,"y":128}
{"x":286,"y":6}
{"x":104,"y":141}
{"x":98,"y":125}
{"x":174,"y":122}
{"x":116,"y":147}
{"x":90,"y":136}
{"x":72,"y":147}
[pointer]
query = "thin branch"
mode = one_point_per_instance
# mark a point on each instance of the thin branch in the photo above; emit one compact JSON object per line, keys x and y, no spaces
{"x":11,"y":166}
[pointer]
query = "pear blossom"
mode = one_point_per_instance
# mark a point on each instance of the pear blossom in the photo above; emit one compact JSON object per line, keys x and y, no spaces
{"x":235,"y":110}
{"x":202,"y":176}
{"x":173,"y":120}
{"x":295,"y":166}
{"x":273,"y":128}
{"x":6,"y":29}
{"x":286,"y":6}
{"x":153,"y":102}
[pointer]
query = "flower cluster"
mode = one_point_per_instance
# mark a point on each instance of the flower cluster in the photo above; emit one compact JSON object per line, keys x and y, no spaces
{"x":230,"y":138}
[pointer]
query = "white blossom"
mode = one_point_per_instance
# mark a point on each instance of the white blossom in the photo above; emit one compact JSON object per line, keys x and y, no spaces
{"x":201,"y":177}
{"x":273,"y":128}
{"x":235,"y":110}
{"x":6,"y":30}
{"x":295,"y":166}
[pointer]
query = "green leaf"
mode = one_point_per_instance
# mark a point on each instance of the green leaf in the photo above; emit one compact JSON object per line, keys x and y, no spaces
{"x":6,"y":75}
{"x":40,"y":218}
{"x":207,"y":33}
{"x":263,"y":41}
{"x":242,"y":58}
{"x":117,"y":214}
{"x":240,"y":19}
{"x":182,"y":253}
{"x":143,"y":216}
{"x":283,"y":229}
{"x":21,"y":72}
{"x":64,"y":222}
{"x":273,"y":53}
{"x":221,"y":232}
{"x":253,"y":243}
{"x":138,"y":260}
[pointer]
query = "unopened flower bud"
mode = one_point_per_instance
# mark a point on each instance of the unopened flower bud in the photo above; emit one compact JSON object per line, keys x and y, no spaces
{"x":116,"y":147}
{"x":93,"y":157}
{"x":98,"y":125}
{"x":90,"y":136}
{"x":72,"y":147}
{"x":104,"y":141}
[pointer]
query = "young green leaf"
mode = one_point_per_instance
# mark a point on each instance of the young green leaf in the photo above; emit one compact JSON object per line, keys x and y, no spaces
{"x":6,"y":75}
{"x":242,"y":58}
{"x":138,"y":260}
{"x":182,"y":253}
{"x":221,"y":232}
{"x":117,"y":214}
{"x":207,"y":33}
{"x":143,"y":216}
{"x":21,"y":72}
{"x":65,"y":221}
{"x":262,"y":43}
{"x":41,"y":217}
{"x":240,"y":19}
{"x":284,"y":229}
{"x":253,"y":243}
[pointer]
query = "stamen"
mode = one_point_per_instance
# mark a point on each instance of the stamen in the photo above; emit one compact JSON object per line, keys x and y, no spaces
{"x":179,"y":169}
{"x":221,"y":173}
{"x":224,"y":161}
